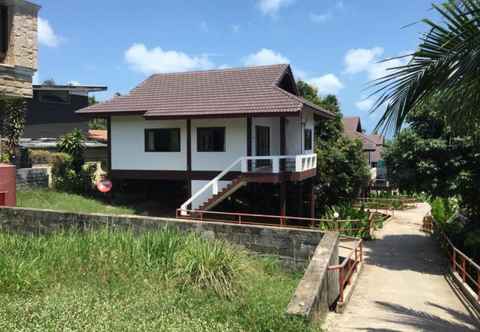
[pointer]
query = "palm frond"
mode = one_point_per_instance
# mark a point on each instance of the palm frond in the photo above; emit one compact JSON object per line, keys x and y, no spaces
{"x":446,"y":63}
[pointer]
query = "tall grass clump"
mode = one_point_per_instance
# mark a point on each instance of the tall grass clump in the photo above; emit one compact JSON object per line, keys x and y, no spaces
{"x":30,"y":264}
{"x":210,"y":265}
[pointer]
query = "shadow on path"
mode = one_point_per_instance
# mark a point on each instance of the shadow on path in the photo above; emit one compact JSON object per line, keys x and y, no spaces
{"x":425,"y":321}
{"x":406,"y":252}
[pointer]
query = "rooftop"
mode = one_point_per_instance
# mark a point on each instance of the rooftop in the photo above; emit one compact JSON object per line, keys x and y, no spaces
{"x":235,"y":91}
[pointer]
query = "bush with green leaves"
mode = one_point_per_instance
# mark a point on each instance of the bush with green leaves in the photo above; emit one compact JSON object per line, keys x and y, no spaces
{"x":73,"y":144}
{"x":70,"y":173}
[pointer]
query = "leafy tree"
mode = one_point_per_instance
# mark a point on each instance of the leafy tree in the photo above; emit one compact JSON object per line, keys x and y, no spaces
{"x":342,"y":167}
{"x":430,"y":156}
{"x":447,"y":62}
{"x":12,"y":123}
{"x":73,"y":144}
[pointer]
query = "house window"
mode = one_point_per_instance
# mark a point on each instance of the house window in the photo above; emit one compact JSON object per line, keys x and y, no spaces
{"x":55,"y":97}
{"x":211,"y":139}
{"x":308,"y":138}
{"x":162,"y":140}
{"x":3,"y":31}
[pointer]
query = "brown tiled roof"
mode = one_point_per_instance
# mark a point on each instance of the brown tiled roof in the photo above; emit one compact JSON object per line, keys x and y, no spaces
{"x":212,"y":92}
{"x":352,"y":123}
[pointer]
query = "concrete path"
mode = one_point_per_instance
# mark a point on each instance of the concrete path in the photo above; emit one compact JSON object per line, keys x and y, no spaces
{"x":403,"y":285}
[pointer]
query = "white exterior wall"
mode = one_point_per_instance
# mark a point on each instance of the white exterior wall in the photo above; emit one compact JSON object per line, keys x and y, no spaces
{"x":295,"y":135}
{"x":128,"y":145}
{"x":274,"y":125}
{"x":199,"y":184}
{"x":235,"y":144}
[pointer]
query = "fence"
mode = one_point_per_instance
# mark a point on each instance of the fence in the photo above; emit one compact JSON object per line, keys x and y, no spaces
{"x":392,"y":204}
{"x":354,"y":227}
{"x":349,"y":265}
{"x":460,"y":264}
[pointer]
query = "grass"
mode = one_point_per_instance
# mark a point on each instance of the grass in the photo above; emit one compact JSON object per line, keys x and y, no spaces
{"x":118,"y":281}
{"x":53,"y":200}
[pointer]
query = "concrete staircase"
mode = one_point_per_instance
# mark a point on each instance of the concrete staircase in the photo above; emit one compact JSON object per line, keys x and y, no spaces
{"x":214,"y":200}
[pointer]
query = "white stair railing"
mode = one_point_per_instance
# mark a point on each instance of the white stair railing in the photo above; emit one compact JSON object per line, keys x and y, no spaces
{"x":302,"y":163}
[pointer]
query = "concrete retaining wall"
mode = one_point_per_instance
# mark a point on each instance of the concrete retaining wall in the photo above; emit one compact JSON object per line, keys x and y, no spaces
{"x":34,"y":177}
{"x":319,"y":288}
{"x":297,"y":245}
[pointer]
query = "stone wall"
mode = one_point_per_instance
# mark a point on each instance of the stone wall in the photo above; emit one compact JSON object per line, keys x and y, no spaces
{"x":296,"y":245}
{"x":33,"y":177}
{"x":20,"y":62}
{"x":319,"y":288}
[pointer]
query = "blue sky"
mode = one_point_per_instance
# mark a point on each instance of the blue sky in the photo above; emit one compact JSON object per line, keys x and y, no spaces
{"x":333,"y":44}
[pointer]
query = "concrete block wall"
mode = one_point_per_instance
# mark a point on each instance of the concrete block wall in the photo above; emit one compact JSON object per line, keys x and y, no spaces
{"x":33,"y":177}
{"x":319,"y":288}
{"x":295,"y":245}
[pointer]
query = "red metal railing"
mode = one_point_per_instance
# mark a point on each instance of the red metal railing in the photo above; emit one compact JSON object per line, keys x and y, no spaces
{"x":338,"y":225}
{"x":349,"y":265}
{"x":461,"y":264}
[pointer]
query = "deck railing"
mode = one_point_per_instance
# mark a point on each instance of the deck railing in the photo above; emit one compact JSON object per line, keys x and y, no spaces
{"x":301,"y":163}
{"x":460,"y":264}
{"x":347,"y":268}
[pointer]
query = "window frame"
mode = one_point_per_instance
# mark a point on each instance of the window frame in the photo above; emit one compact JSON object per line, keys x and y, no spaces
{"x":200,"y":129}
{"x":42,"y":94}
{"x":179,"y":137}
{"x":308,"y":147}
{"x":4,"y":31}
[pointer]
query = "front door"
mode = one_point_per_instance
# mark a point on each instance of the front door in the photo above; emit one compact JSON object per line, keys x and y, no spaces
{"x":262,"y":142}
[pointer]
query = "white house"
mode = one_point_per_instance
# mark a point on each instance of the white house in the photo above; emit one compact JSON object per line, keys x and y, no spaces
{"x":216,"y":130}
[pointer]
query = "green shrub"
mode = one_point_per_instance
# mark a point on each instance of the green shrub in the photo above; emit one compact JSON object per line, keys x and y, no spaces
{"x":210,"y":265}
{"x":67,"y":178}
{"x":74,"y":145}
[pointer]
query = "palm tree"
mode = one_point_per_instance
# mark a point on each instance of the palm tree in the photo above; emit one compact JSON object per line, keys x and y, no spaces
{"x":446,"y":64}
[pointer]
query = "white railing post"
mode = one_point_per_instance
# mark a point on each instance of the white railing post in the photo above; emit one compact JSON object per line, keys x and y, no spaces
{"x":215,"y":187}
{"x":276,"y":165}
{"x":244,"y":165}
{"x":298,"y":163}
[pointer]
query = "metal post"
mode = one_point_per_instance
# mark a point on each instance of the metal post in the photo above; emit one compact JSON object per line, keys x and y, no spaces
{"x":361,"y":251}
{"x":341,"y":284}
{"x":454,"y":261}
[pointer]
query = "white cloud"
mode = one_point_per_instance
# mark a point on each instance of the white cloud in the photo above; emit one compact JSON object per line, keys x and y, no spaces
{"x":326,"y":84}
{"x":360,"y":59}
{"x":320,"y":18}
{"x":370,"y":61}
{"x":265,"y":57}
{"x":74,"y":83}
{"x":271,"y":7}
{"x":156,"y":60}
{"x":46,"y":35}
{"x":365,"y":104}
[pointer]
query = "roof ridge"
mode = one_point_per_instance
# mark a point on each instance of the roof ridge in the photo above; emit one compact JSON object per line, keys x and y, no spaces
{"x":220,"y":70}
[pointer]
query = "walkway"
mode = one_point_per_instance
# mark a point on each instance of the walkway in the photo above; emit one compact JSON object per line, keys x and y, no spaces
{"x":402,"y":286}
